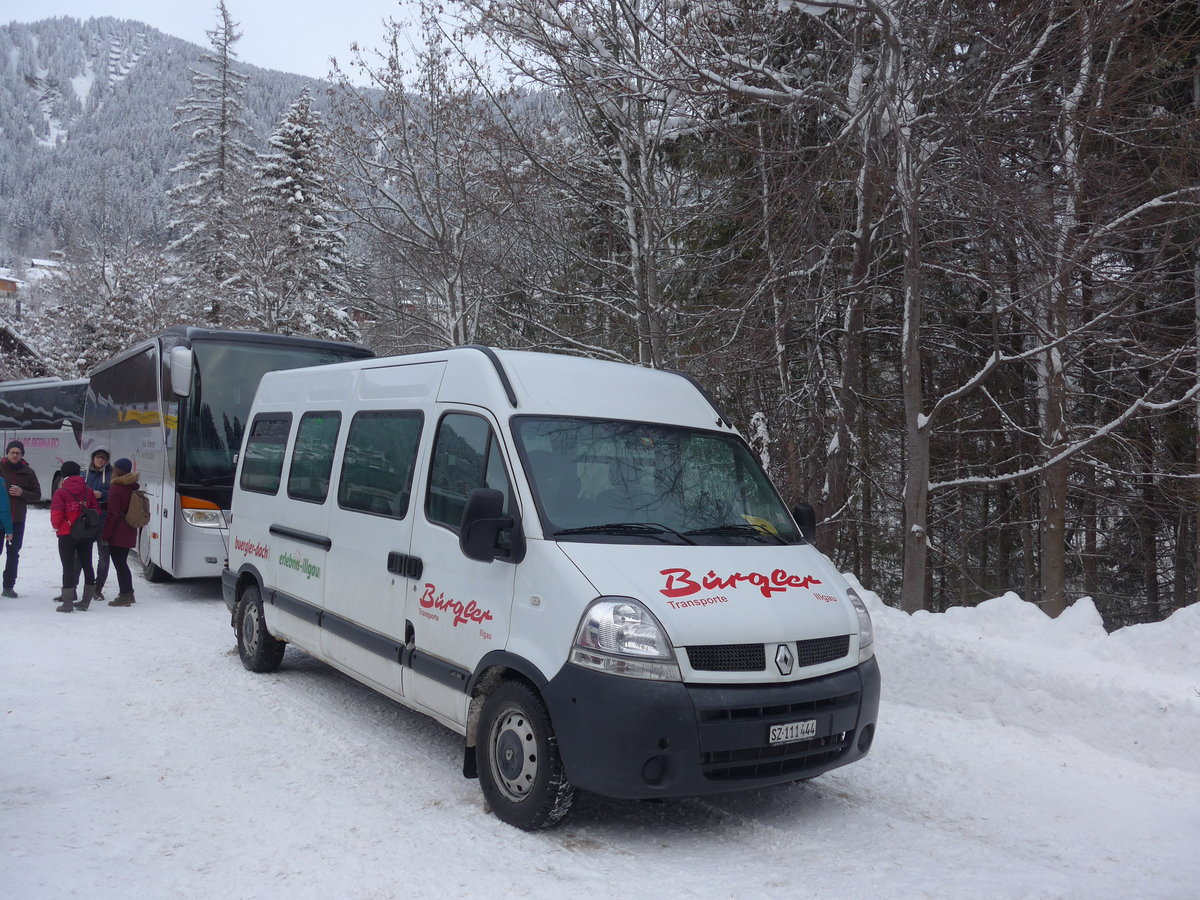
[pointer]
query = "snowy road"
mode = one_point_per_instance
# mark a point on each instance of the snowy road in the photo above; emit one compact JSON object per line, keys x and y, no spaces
{"x":1016,"y":757}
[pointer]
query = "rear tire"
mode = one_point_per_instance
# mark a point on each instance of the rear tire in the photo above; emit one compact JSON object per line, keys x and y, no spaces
{"x":260,"y":652}
{"x":520,"y":770}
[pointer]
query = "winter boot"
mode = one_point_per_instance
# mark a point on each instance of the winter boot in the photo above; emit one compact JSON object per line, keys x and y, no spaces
{"x":68,"y":600}
{"x":89,"y":594}
{"x":122,"y":600}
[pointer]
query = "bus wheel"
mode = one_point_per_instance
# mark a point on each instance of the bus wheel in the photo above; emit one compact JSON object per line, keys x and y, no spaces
{"x":153,"y":573}
{"x":260,"y":652}
{"x":520,"y":771}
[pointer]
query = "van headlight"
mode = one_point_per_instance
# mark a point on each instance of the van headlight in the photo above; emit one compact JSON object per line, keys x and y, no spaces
{"x":619,"y":636}
{"x":866,"y":631}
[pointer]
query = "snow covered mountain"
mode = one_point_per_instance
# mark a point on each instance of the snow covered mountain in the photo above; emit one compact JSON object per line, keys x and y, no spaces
{"x":86,"y":115}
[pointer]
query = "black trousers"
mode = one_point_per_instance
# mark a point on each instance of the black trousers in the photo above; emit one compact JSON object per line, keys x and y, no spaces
{"x":75,"y":555}
{"x":14,"y":554}
{"x":120,"y":563}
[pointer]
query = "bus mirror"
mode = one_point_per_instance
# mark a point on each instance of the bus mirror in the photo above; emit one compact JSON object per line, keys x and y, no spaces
{"x":181,"y":370}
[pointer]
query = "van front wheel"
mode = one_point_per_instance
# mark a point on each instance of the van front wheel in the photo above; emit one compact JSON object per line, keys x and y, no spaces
{"x":520,"y":770}
{"x":260,"y":652}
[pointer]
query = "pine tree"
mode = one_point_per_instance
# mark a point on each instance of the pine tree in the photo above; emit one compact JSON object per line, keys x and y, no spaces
{"x":296,"y":274}
{"x":210,"y":210}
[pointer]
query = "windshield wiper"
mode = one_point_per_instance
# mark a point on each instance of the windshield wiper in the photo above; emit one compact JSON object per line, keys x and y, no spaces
{"x":736,"y":529}
{"x":648,"y":529}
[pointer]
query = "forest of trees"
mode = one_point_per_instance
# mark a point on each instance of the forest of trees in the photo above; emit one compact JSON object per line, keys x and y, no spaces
{"x":939,"y":261}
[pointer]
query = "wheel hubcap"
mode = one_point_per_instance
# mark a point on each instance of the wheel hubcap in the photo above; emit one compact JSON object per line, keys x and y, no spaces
{"x":249,"y":631}
{"x":514,"y":754}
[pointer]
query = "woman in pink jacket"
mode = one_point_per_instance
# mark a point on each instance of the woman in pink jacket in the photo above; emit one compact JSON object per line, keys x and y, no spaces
{"x":65,"y":507}
{"x":120,"y":535}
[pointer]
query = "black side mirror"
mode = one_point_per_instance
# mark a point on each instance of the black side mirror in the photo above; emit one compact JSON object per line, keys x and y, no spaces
{"x":806,"y":518}
{"x":483,"y":520}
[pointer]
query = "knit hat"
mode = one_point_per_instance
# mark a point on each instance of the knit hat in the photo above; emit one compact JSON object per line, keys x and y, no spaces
{"x":69,"y":468}
{"x":17,"y":444}
{"x":123,"y":464}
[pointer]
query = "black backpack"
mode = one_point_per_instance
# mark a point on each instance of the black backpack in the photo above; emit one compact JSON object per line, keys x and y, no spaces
{"x":89,"y":524}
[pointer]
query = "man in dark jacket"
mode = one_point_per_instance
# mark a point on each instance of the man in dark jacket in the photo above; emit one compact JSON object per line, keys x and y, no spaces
{"x":23,"y":489}
{"x":99,"y":476}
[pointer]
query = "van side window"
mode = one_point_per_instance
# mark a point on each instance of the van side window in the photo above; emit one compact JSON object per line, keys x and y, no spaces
{"x":312,"y":457}
{"x":377,"y":468}
{"x":262,"y":462}
{"x":465,"y":456}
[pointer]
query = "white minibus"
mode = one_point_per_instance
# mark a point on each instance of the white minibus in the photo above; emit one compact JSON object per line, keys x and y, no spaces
{"x":579,"y":566}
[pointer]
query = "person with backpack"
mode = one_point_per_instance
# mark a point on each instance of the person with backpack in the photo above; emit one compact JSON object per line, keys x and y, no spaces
{"x":74,"y":545}
{"x":118,"y":532}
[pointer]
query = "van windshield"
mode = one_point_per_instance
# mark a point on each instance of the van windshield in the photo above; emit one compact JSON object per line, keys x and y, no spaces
{"x":611,"y":481}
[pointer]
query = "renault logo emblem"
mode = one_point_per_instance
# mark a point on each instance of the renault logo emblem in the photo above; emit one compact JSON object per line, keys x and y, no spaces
{"x":784,"y":659}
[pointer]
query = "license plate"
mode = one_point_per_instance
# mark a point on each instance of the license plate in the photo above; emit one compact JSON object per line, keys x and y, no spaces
{"x":793,"y":731}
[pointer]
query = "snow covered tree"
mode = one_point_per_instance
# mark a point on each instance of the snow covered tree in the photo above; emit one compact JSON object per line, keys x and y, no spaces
{"x":210,"y":210}
{"x":422,"y":172}
{"x":295,"y":270}
{"x":115,"y":289}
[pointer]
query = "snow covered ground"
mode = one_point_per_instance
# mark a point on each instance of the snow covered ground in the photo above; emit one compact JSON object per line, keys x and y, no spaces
{"x":1016,"y":757}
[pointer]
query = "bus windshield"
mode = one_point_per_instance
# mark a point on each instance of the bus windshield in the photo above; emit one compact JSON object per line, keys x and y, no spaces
{"x":634,"y":482}
{"x":225,"y":376}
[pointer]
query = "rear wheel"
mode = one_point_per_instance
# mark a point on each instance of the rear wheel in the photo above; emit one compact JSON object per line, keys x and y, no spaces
{"x":520,"y":770}
{"x":260,"y":652}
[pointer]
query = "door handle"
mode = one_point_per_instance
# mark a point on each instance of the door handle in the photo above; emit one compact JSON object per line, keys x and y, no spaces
{"x":405,"y":565}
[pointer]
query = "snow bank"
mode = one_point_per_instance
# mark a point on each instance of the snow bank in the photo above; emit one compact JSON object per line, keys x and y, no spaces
{"x":1134,"y":693}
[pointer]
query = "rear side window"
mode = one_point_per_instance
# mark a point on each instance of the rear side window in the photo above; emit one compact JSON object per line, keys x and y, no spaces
{"x":377,"y":468}
{"x":262,"y":462}
{"x":312,"y":457}
{"x":466,"y":455}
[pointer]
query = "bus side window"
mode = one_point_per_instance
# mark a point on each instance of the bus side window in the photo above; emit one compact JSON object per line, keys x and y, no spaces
{"x":312,"y":457}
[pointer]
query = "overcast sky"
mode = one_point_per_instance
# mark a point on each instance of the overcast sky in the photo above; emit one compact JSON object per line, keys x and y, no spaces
{"x":289,"y":35}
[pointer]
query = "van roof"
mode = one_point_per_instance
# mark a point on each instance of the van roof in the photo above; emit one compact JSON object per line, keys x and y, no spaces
{"x":525,"y":383}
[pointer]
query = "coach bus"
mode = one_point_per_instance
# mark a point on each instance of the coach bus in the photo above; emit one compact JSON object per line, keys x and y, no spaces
{"x":176,"y":406}
{"x":46,"y":416}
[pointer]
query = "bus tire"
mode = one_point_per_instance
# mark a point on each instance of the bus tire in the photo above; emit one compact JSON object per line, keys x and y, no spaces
{"x":520,"y":770}
{"x":259,"y":650}
{"x":153,"y":573}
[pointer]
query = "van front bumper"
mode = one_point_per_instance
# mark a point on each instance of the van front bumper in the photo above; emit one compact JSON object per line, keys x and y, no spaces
{"x":631,"y":738}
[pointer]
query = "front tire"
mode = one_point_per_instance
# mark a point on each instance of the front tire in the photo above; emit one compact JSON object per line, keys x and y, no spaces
{"x":520,"y":770}
{"x":260,"y":652}
{"x":153,"y":573}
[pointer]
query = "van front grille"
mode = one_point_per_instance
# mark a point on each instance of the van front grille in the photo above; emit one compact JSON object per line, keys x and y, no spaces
{"x":821,"y":650}
{"x":753,"y":657}
{"x":768,"y":762}
{"x":735,"y":726}
{"x":727,"y":658}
